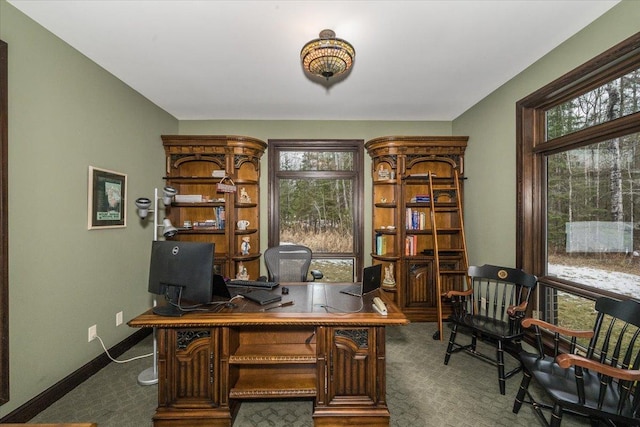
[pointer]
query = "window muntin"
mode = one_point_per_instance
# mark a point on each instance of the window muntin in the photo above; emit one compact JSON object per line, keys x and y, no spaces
{"x":612,"y":100}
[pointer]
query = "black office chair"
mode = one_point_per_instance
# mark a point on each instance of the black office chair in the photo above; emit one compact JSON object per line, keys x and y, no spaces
{"x":599,"y":381}
{"x":290,"y":263}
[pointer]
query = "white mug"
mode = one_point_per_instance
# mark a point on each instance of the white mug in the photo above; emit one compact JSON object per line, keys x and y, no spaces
{"x":243,"y":224}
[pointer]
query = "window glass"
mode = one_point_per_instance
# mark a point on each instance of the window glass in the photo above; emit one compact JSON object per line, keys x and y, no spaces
{"x":336,"y":270}
{"x":577,"y":313}
{"x":617,"y":98}
{"x":593,"y":215}
{"x":315,"y":161}
{"x":569,"y":311}
{"x":317,"y":213}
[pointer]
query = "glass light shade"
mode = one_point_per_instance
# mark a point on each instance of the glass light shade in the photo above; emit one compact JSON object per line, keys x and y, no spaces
{"x":327,"y":56}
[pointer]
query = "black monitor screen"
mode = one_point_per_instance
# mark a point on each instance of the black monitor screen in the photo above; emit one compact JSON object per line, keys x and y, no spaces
{"x":183,"y":273}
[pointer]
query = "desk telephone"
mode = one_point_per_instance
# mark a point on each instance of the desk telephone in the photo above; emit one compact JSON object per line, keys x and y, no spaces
{"x":379,"y":306}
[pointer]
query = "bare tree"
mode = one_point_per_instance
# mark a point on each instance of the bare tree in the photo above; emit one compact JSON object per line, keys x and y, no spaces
{"x":615,"y":180}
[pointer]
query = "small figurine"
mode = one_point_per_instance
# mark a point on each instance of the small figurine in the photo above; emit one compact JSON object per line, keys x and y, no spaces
{"x":244,"y":196}
{"x":245,"y":246}
{"x":382,"y":172}
{"x":242,"y":272}
{"x":388,"y":281}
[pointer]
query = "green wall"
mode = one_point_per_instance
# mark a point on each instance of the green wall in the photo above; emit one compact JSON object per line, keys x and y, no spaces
{"x":66,"y":113}
{"x":490,"y":191}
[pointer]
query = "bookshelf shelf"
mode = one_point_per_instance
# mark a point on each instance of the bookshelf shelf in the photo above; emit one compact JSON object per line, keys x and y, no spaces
{"x":404,"y":202}
{"x":196,"y":165}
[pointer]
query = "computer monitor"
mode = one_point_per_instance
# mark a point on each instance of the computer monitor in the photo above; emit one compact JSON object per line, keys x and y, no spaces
{"x":183,"y":273}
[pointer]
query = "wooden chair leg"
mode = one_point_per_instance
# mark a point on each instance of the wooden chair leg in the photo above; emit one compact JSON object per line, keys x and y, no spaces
{"x":556,"y":416}
{"x":452,"y":340}
{"x":500,"y":360}
{"x":522,"y":391}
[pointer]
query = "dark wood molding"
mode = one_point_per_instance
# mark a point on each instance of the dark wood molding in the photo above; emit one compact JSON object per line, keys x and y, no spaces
{"x":45,"y":399}
{"x":532,"y":148}
{"x":4,"y":225}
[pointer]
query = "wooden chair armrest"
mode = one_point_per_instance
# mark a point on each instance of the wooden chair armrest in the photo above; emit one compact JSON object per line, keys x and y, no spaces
{"x":567,"y":360}
{"x":450,"y":294}
{"x":513,"y":309}
{"x":528,"y":322}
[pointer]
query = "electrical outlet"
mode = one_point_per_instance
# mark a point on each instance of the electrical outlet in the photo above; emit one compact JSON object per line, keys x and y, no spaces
{"x":119,"y":318}
{"x":93,"y":332}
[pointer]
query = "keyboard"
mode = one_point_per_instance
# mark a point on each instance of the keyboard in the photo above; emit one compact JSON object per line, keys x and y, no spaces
{"x":255,"y":284}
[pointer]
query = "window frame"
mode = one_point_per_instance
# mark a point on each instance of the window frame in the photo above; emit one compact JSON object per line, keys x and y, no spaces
{"x":326,"y":145}
{"x":532,"y":149}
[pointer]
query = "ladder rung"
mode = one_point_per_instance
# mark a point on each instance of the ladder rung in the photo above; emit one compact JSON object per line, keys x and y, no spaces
{"x":450,"y":263}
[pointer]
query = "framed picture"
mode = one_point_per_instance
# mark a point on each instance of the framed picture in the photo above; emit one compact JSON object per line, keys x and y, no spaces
{"x":107,"y":199}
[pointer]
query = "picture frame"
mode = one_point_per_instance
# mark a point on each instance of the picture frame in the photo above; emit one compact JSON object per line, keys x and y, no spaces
{"x":107,"y":199}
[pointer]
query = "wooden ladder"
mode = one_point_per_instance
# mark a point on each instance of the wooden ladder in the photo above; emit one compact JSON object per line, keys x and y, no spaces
{"x":449,"y":253}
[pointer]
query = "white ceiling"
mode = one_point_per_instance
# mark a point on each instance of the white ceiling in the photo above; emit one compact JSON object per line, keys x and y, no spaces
{"x":415,"y":60}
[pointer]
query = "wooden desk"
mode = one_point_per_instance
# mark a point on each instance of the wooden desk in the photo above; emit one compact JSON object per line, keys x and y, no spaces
{"x":209,"y":362}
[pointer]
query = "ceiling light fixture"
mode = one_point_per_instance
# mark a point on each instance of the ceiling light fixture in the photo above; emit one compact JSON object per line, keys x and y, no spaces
{"x":327,"y":56}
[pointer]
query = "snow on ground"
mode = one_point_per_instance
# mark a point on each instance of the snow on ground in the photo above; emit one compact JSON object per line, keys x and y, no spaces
{"x":622,"y":283}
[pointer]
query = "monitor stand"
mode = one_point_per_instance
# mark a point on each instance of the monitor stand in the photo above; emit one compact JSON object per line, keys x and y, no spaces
{"x":171,"y":309}
{"x":167,"y":310}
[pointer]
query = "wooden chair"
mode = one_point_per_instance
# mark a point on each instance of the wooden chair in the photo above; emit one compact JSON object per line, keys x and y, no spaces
{"x":290,"y":263}
{"x":599,"y":381}
{"x":490,"y":310}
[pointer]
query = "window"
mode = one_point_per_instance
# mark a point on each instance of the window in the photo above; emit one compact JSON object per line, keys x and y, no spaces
{"x":579,"y":185}
{"x":315,"y":200}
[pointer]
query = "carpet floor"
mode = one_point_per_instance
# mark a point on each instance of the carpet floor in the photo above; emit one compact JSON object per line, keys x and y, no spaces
{"x":421,"y":391}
